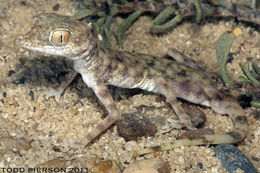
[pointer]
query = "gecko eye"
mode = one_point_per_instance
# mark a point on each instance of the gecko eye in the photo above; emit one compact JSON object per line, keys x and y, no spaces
{"x":60,"y":37}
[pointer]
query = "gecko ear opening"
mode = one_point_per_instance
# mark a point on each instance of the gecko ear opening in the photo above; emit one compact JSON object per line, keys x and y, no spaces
{"x":60,"y":37}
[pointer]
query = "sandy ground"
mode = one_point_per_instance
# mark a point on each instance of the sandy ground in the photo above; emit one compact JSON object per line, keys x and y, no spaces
{"x":53,"y":127}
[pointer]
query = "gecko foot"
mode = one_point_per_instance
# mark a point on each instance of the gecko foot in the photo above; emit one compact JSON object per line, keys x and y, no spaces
{"x":54,"y":92}
{"x":189,"y":125}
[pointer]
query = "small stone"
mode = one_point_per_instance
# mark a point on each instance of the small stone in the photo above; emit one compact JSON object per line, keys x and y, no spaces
{"x":10,"y":73}
{"x":38,"y":114}
{"x":25,"y":144}
{"x":31,"y":93}
{"x":148,"y":166}
{"x":56,"y":7}
{"x":233,"y":159}
{"x":54,"y":163}
{"x":134,"y":125}
{"x":56,"y":149}
{"x":10,"y":143}
{"x":198,"y":118}
{"x":237,"y":31}
{"x":4,"y":94}
{"x":107,"y":166}
{"x":5,"y":116}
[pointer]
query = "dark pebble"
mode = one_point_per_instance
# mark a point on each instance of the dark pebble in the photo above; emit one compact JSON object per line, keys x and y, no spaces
{"x":198,"y":118}
{"x":4,"y":94}
{"x":200,"y":165}
{"x":250,"y":59}
{"x":56,"y":7}
{"x":134,"y":125}
{"x":23,"y":3}
{"x":31,"y":93}
{"x":232,"y":158}
{"x":56,"y":149}
{"x":10,"y":73}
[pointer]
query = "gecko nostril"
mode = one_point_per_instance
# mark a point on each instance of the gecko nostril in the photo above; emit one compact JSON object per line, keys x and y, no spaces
{"x":20,"y":40}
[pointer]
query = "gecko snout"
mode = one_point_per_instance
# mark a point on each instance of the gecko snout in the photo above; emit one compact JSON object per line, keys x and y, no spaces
{"x":20,"y":41}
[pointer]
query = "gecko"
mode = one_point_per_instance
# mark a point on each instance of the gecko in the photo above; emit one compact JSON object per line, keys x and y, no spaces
{"x":174,"y":77}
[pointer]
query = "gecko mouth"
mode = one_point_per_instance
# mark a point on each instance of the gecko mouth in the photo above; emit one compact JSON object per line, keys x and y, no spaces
{"x":27,"y":45}
{"x":21,"y":41}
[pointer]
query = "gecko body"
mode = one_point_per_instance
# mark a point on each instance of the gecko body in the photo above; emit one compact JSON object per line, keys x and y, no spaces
{"x":176,"y":77}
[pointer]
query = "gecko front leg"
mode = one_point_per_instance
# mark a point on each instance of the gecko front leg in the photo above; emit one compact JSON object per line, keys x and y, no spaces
{"x":104,"y":96}
{"x":58,"y":91}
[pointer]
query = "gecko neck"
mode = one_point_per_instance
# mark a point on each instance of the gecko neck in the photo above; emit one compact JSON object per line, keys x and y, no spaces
{"x":90,"y":52}
{"x":89,"y":55}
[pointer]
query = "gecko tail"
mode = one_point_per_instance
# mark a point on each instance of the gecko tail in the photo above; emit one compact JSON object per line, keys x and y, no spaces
{"x":225,"y":138}
{"x":223,"y":105}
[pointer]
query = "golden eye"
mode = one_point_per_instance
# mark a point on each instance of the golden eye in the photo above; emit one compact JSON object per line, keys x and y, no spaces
{"x":60,"y":37}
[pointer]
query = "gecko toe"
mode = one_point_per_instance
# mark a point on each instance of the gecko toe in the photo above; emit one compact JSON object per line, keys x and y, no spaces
{"x":53,"y":92}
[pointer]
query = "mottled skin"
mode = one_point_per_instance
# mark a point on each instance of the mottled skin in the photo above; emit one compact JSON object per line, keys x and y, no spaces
{"x":182,"y":78}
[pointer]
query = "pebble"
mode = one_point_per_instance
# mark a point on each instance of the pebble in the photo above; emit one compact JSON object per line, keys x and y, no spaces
{"x":100,"y":165}
{"x":10,"y":143}
{"x":148,"y":166}
{"x":54,"y":163}
{"x":232,"y":159}
{"x":133,"y":126}
{"x":198,"y":117}
{"x":38,"y":114}
{"x":107,"y":166}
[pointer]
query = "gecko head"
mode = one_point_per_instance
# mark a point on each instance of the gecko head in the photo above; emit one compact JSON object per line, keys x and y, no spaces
{"x":59,"y":35}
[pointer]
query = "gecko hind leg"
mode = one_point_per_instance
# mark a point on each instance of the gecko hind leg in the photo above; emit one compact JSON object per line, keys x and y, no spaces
{"x":167,"y":91}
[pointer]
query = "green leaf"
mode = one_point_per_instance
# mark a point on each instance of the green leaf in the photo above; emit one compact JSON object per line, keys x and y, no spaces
{"x":222,"y":50}
{"x":253,"y":4}
{"x":161,"y":28}
{"x":255,"y":103}
{"x":109,"y":2}
{"x":106,"y":41}
{"x":245,"y":68}
{"x":198,"y":8}
{"x":224,"y":3}
{"x":83,"y":13}
{"x":167,"y":12}
{"x":242,"y":79}
{"x":256,"y":68}
{"x":124,"y":26}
